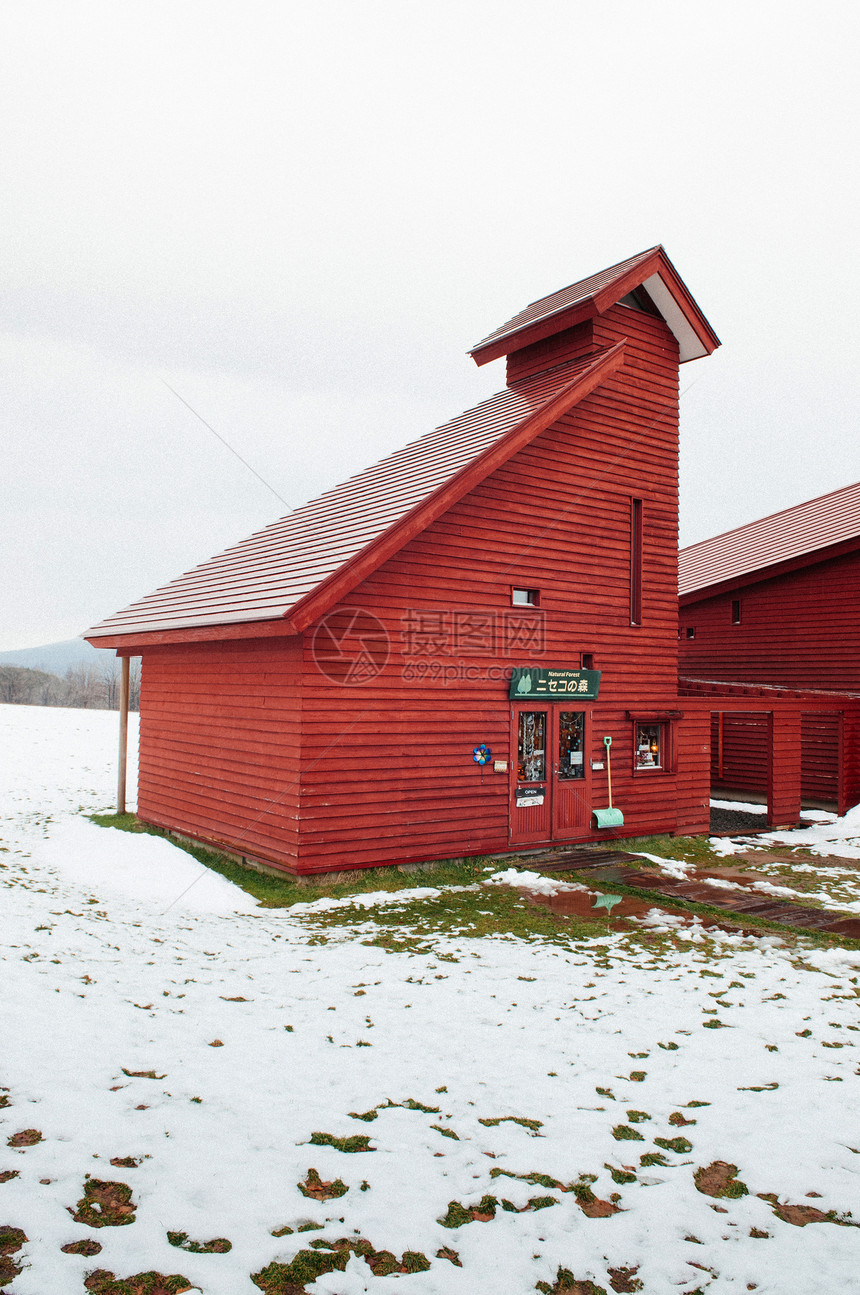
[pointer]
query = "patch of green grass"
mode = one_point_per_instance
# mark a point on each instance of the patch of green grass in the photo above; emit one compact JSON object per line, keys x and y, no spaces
{"x":565,"y":1281}
{"x":414,"y":926}
{"x":690,"y":849}
{"x":446,"y":1133}
{"x":681,"y":1145}
{"x":102,"y":1282}
{"x":358,"y":1142}
{"x":217,"y":1246}
{"x":306,"y":1267}
{"x":539,"y":1180}
{"x":540,"y":1202}
{"x":532,"y":1125}
{"x":624,"y":1133}
{"x":651,"y":1158}
{"x":458,"y":1215}
{"x":638,"y":1117}
{"x":620,"y":1176}
{"x":316,"y":1190}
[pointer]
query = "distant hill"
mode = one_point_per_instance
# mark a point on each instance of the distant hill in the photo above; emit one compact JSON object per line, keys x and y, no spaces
{"x":21,"y":685}
{"x":56,"y":658}
{"x":66,"y":674}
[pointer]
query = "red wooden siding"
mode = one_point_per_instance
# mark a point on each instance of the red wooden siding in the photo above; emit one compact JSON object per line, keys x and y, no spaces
{"x":692,"y":784}
{"x":219,"y":750}
{"x":389,"y":774}
{"x":570,"y":344}
{"x":800,"y":630}
{"x":739,"y":754}
{"x":783,"y":791}
{"x":821,"y":737}
{"x":739,"y":757}
{"x":850,"y":791}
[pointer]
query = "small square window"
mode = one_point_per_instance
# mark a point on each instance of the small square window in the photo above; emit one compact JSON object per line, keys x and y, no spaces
{"x":649,"y":747}
{"x":691,"y":631}
{"x":525,"y":597}
{"x":588,"y":660}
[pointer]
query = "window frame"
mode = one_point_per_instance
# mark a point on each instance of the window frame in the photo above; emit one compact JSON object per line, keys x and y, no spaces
{"x":666,"y":722}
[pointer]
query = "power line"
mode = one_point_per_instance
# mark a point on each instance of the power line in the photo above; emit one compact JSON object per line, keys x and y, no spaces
{"x":227,"y":444}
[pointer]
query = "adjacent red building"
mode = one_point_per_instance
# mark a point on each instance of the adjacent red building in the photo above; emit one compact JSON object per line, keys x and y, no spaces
{"x":775,"y":606}
{"x":425,"y":662}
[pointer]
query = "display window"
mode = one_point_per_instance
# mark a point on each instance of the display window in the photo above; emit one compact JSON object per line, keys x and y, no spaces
{"x":571,"y":744}
{"x":649,"y":746}
{"x":531,"y":747}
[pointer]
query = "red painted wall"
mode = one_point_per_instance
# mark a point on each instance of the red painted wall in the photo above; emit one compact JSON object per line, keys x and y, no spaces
{"x":801,"y":630}
{"x":219,"y":743}
{"x":387,"y":771}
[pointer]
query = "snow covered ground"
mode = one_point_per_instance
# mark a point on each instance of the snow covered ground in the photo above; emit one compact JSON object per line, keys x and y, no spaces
{"x":153,"y":1014}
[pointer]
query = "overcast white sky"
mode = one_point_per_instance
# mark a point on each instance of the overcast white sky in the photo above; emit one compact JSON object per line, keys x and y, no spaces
{"x":301,"y":215}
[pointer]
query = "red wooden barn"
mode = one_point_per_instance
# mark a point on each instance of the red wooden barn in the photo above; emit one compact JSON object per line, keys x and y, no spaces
{"x":775,"y":606}
{"x":426,"y":661}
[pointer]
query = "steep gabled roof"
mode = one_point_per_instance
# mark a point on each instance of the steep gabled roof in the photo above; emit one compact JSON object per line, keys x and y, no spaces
{"x":792,"y":538}
{"x":297,"y":568}
{"x":594,"y":295}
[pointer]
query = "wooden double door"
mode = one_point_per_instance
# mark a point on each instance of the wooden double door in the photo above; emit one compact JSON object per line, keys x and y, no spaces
{"x":550,"y":773}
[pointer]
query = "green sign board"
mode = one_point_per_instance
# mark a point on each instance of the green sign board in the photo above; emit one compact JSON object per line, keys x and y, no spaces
{"x":537,"y":683}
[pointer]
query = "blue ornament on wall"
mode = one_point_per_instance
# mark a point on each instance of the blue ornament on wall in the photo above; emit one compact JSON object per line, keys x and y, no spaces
{"x":482,"y":754}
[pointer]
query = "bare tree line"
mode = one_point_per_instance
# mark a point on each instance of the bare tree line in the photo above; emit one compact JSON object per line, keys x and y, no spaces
{"x":87,"y":687}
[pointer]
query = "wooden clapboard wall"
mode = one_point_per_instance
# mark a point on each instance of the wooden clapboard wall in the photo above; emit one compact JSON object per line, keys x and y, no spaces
{"x":219,"y":750}
{"x":387,"y":773}
{"x":800,"y":629}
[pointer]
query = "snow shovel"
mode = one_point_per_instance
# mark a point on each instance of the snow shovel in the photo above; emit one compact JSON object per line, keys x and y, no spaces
{"x":609,"y":817}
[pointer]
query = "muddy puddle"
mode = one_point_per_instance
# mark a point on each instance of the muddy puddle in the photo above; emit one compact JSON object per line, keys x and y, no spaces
{"x":732,"y":874}
{"x":577,"y":903}
{"x":698,"y":887}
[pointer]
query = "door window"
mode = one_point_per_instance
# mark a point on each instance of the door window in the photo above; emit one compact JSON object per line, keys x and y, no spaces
{"x":531,"y":750}
{"x":571,"y":744}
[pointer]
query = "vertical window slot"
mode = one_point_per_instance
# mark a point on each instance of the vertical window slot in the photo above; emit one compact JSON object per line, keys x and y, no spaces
{"x":635,"y":561}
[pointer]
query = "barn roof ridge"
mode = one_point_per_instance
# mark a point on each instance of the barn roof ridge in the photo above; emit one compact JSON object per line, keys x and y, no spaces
{"x":790,"y":535}
{"x":595,"y":294}
{"x":300,"y":565}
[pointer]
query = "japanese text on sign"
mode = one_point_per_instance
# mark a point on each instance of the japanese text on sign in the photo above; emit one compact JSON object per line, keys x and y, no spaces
{"x":532,"y":682}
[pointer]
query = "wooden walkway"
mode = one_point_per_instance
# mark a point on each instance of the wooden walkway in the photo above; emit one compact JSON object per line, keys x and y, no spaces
{"x":617,"y":866}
